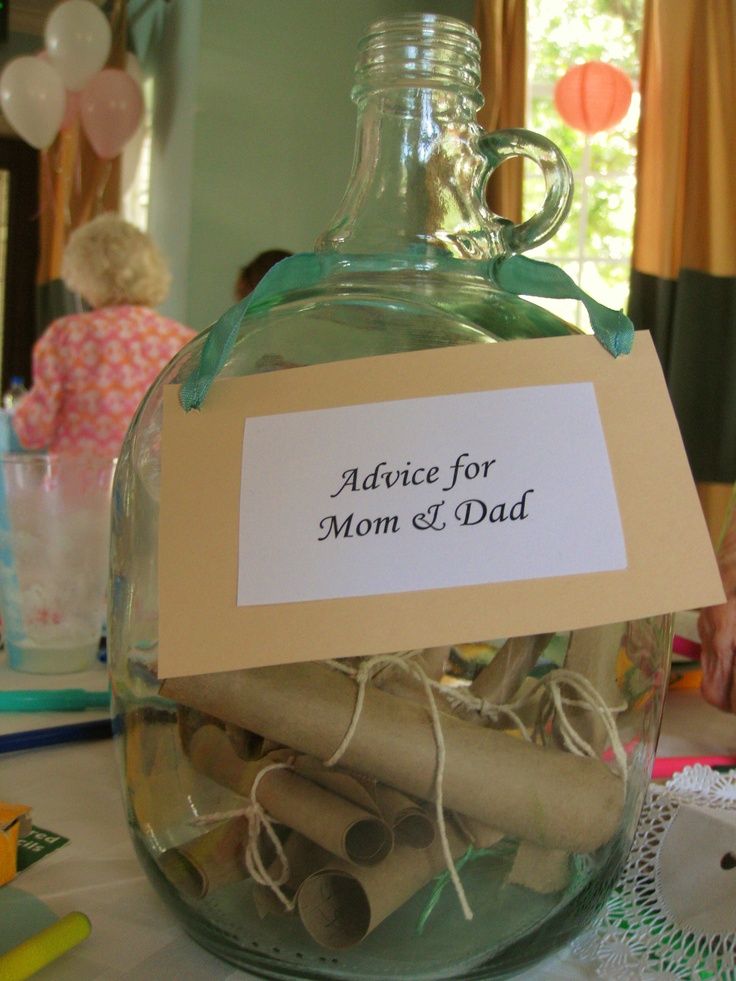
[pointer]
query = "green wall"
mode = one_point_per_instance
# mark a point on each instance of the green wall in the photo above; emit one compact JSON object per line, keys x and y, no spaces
{"x":174,"y":61}
{"x":254,"y":130}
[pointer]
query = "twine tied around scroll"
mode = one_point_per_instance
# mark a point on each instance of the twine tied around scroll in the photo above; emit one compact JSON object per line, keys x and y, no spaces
{"x":588,"y":699}
{"x":258,"y":820}
{"x":405,"y":660}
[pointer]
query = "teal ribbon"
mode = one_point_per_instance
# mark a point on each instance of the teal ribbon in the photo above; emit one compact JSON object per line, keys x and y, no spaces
{"x":530,"y":277}
{"x":297,"y":272}
{"x":514,"y":274}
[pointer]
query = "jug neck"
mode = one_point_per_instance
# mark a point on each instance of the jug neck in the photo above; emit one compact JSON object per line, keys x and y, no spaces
{"x":418,"y":177}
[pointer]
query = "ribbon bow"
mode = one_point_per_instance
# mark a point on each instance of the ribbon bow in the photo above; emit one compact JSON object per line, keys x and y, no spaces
{"x":514,"y":274}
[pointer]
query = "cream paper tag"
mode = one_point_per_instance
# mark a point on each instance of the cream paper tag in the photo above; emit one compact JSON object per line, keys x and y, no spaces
{"x":421,"y":499}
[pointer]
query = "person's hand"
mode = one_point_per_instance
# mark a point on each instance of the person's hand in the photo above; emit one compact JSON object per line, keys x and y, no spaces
{"x":717,"y":629}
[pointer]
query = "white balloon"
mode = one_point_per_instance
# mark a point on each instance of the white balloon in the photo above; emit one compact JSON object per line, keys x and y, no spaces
{"x":78,"y":38}
{"x":33,"y":99}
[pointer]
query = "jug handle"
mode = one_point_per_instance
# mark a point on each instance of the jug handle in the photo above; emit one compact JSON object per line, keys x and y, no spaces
{"x":503,"y":144}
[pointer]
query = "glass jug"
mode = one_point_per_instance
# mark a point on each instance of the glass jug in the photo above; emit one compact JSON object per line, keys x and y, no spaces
{"x":292,"y":834}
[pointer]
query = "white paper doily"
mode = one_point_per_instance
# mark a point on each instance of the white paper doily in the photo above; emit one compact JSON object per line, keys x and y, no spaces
{"x":672,"y":914}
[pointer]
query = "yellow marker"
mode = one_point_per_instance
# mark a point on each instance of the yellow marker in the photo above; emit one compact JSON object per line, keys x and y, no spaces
{"x":44,"y":947}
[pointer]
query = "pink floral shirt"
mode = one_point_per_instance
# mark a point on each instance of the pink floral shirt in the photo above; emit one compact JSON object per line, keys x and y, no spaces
{"x":90,"y":372}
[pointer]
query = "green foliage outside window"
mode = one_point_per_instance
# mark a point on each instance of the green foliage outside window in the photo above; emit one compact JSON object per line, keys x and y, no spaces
{"x":594,"y":244}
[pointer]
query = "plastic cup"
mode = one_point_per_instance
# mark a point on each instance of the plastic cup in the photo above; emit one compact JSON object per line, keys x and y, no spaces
{"x":54,"y":559}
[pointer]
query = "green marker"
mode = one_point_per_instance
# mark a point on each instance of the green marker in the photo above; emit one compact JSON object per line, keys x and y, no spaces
{"x":53,"y":700}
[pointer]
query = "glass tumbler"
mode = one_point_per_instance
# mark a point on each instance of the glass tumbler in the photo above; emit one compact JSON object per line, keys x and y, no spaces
{"x":54,"y":556}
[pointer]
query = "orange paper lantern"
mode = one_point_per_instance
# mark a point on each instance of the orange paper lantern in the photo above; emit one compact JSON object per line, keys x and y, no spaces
{"x":593,"y":97}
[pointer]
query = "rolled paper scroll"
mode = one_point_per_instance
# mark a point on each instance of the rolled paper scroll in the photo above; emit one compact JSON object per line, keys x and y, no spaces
{"x":405,"y":684}
{"x":541,"y":794}
{"x":247,"y":745}
{"x":140,"y":723}
{"x":594,"y":653}
{"x":434,"y":661}
{"x":339,"y":905}
{"x":188,"y":721}
{"x":270,"y":746}
{"x":303,"y":858}
{"x":544,"y":870}
{"x":500,"y":680}
{"x":158,"y":785}
{"x":409,"y":821}
{"x":411,"y":824}
{"x":212,"y":754}
{"x":349,"y":786}
{"x":478,"y":834}
{"x":209,"y":861}
{"x":332,"y":822}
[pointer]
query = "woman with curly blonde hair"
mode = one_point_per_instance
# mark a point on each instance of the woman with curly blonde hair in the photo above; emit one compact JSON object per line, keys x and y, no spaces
{"x":91,"y":370}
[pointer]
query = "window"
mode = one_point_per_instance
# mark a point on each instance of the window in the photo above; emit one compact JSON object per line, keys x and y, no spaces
{"x":594,"y":244}
{"x":136,"y":165}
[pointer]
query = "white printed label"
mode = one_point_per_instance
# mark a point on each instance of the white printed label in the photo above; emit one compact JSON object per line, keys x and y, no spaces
{"x":426,"y":493}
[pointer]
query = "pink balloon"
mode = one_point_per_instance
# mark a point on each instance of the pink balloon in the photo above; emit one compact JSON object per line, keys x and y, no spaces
{"x":111,"y":106}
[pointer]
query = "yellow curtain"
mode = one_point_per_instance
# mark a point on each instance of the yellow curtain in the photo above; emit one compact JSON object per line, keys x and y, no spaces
{"x":686,"y":203}
{"x":683,"y":285}
{"x":501,"y":26}
{"x":74,"y":186}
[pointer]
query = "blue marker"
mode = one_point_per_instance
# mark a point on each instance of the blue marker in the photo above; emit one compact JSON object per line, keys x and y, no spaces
{"x":13,"y":742}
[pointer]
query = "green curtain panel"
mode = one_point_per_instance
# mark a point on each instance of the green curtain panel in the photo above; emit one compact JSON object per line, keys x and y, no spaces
{"x":683,"y":284}
{"x":693,"y":322}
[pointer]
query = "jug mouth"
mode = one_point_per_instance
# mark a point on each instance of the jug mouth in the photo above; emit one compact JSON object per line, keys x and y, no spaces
{"x":418,"y":50}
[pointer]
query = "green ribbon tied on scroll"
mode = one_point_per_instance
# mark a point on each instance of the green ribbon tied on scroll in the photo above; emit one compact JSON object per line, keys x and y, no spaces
{"x":514,"y":274}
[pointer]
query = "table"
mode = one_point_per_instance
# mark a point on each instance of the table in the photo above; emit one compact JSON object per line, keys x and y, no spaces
{"x":74,"y":790}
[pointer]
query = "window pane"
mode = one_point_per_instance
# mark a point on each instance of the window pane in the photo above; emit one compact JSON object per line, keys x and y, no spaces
{"x":594,"y":243}
{"x":614,"y":151}
{"x":565,"y":241}
{"x":561,"y":34}
{"x":545,"y":119}
{"x":608,"y":282}
{"x":567,"y":309}
{"x":610,"y":214}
